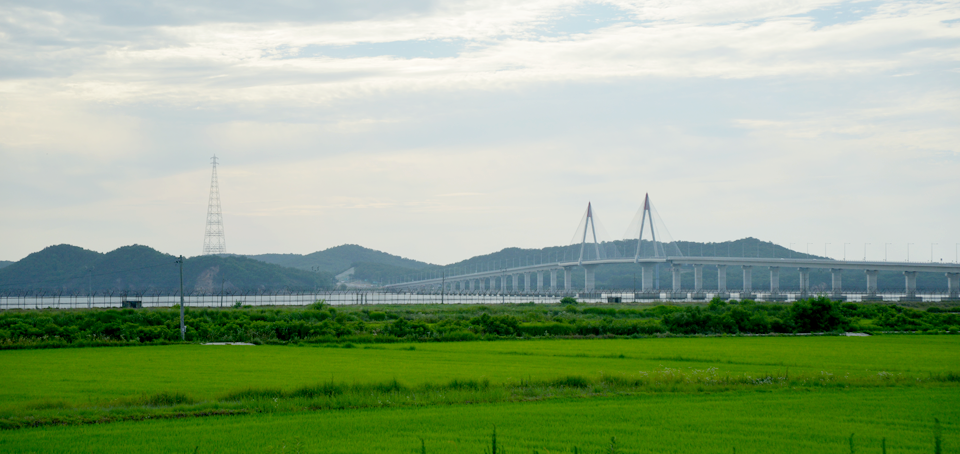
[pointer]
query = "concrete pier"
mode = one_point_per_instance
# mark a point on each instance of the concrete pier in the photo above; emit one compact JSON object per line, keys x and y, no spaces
{"x":872,"y":286}
{"x":804,"y":282}
{"x":953,"y":286}
{"x":698,"y":293}
{"x":722,"y":282}
{"x":553,"y":280}
{"x":589,"y":277}
{"x":836,"y":280}
{"x":910,"y":278}
{"x":567,"y":279}
{"x":775,"y":294}
{"x":539,"y":281}
{"x":646,"y":283}
{"x":747,"y":293}
{"x":677,"y":294}
{"x":526,"y":283}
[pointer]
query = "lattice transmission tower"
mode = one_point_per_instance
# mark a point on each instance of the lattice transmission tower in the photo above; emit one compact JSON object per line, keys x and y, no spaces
{"x":213,"y":239}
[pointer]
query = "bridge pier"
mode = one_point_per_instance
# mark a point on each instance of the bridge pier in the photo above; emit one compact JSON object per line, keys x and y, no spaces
{"x":503,"y":283}
{"x":646,"y":282}
{"x":953,"y":286}
{"x":804,"y":282}
{"x":539,"y":282}
{"x":676,"y":293}
{"x":775,"y":294}
{"x":526,"y":282}
{"x":698,"y":283}
{"x":482,"y":285}
{"x":589,"y":277}
{"x":836,"y":280}
{"x":911,"y":283}
{"x":567,"y":279}
{"x":872,"y":286}
{"x":553,"y":280}
{"x":722,"y":282}
{"x":747,"y":293}
{"x":472,"y":284}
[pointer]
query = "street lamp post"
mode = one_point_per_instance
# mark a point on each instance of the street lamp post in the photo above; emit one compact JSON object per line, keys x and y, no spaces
{"x":183,"y":328}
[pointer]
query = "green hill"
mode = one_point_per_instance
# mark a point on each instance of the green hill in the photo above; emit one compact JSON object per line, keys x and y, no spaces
{"x":340,"y":258}
{"x":5,"y":263}
{"x":627,"y":276}
{"x":140,"y":269}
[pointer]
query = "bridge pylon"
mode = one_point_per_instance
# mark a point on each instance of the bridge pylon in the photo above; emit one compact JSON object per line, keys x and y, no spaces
{"x":589,"y":223}
{"x":660,"y":244}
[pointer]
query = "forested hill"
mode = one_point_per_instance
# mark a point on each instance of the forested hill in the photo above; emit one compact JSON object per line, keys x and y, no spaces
{"x":5,"y":263}
{"x":627,"y":276}
{"x":139,"y":269}
{"x":608,"y":276}
{"x":340,"y":258}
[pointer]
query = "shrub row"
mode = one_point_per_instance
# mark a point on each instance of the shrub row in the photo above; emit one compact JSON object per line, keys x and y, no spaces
{"x":321,"y":323}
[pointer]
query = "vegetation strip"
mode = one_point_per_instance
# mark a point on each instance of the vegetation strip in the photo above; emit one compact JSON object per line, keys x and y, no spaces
{"x":393,"y":393}
{"x":384,"y":324}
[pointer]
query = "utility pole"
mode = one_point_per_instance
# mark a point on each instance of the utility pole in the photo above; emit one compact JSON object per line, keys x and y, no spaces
{"x":183,"y":328}
{"x":90,"y":288}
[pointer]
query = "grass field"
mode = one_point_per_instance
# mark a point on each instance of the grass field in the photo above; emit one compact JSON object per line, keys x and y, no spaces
{"x":781,"y":421}
{"x":755,"y":394}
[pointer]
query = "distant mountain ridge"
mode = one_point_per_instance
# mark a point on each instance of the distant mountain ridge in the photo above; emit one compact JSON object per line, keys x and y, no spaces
{"x":5,"y":263}
{"x":138,"y":269}
{"x":340,"y":258}
{"x":626,"y":276}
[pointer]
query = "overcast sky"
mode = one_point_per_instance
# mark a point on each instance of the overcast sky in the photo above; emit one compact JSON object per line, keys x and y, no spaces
{"x":441,"y":130}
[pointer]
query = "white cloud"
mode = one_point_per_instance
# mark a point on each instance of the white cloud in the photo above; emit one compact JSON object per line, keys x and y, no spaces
{"x":699,"y":102}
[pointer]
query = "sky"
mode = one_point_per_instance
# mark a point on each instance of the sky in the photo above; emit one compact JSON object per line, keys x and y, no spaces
{"x":441,"y":130}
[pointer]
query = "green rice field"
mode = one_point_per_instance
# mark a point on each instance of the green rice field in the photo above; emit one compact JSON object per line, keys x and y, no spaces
{"x":710,"y":394}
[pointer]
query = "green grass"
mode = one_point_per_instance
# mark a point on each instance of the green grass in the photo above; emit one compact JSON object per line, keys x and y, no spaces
{"x":654,"y":395}
{"x":102,"y":374}
{"x":781,"y":421}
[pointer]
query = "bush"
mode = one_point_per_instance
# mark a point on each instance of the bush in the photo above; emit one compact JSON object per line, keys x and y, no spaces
{"x":818,"y":314}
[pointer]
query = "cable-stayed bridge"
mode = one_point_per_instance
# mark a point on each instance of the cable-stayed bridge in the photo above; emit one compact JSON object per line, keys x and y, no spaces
{"x":657,"y":248}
